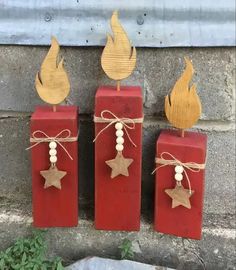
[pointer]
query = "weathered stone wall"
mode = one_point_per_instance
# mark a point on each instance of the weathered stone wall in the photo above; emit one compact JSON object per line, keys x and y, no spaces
{"x":157,"y":71}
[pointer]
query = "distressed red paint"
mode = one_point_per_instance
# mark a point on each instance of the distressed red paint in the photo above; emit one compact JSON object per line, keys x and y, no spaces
{"x":180,"y":221}
{"x":53,"y":207}
{"x":118,"y":200}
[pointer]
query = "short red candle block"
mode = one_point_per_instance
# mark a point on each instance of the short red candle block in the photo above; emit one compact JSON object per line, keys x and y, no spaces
{"x":118,"y":200}
{"x":180,"y":221}
{"x":53,"y":207}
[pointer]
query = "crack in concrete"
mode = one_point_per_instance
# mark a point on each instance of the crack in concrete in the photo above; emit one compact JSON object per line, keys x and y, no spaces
{"x":199,"y":258}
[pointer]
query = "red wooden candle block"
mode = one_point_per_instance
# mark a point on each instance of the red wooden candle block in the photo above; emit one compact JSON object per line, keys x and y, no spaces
{"x":117,"y":200}
{"x":53,"y":207}
{"x":180,"y":221}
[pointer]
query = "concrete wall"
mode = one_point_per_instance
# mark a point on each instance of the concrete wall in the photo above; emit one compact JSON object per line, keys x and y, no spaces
{"x":157,"y":71}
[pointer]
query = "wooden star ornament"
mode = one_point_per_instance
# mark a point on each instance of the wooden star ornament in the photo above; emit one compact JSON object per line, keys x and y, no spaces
{"x":119,"y":165}
{"x":180,"y":196}
{"x":53,"y":177}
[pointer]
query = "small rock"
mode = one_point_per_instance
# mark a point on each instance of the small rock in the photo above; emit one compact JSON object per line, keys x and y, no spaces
{"x":96,"y":263}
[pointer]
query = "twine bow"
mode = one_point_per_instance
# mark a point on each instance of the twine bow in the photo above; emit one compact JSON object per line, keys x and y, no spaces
{"x":192,"y":166}
{"x":127,"y":123}
{"x":67,"y":138}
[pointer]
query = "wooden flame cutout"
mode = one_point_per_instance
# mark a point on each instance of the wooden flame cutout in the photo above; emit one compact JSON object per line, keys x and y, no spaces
{"x":118,"y":57}
{"x":52,"y":82}
{"x":183,"y":106}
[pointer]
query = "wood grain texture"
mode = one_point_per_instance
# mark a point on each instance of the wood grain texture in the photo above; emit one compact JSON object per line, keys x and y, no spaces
{"x":118,"y":58}
{"x":183,"y":106}
{"x":52,"y":82}
{"x":180,"y":196}
{"x":52,"y":177}
{"x":119,"y":165}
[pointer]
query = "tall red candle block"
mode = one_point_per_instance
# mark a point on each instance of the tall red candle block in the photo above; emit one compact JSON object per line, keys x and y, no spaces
{"x":180,"y":221}
{"x":54,"y":207}
{"x":118,"y":200}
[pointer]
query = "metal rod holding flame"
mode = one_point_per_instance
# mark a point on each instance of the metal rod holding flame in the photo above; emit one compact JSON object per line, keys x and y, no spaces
{"x":118,"y":86}
{"x":54,"y":107}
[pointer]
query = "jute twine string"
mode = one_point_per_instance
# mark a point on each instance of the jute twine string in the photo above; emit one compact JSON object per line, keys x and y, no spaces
{"x":128,"y":123}
{"x":59,"y":139}
{"x":192,"y":166}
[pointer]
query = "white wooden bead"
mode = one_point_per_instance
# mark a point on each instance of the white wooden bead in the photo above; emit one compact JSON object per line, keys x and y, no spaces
{"x":178,"y":177}
{"x":120,"y":140}
{"x":52,"y":145}
{"x":119,"y":147}
{"x":119,"y":133}
{"x":179,"y":169}
{"x":52,"y":152}
{"x":118,"y":125}
{"x":53,"y":159}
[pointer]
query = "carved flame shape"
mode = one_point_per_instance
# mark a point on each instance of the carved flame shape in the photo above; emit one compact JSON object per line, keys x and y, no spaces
{"x":118,"y":58}
{"x":183,"y":106}
{"x":52,"y":82}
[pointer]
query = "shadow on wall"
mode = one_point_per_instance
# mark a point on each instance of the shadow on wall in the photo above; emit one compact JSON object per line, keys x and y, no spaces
{"x":86,"y":170}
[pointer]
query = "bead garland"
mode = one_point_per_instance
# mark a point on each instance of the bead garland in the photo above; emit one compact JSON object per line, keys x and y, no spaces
{"x":119,"y":165}
{"x":119,"y":137}
{"x":53,"y":176}
{"x":179,"y":174}
{"x":179,"y":194}
{"x":53,"y":152}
